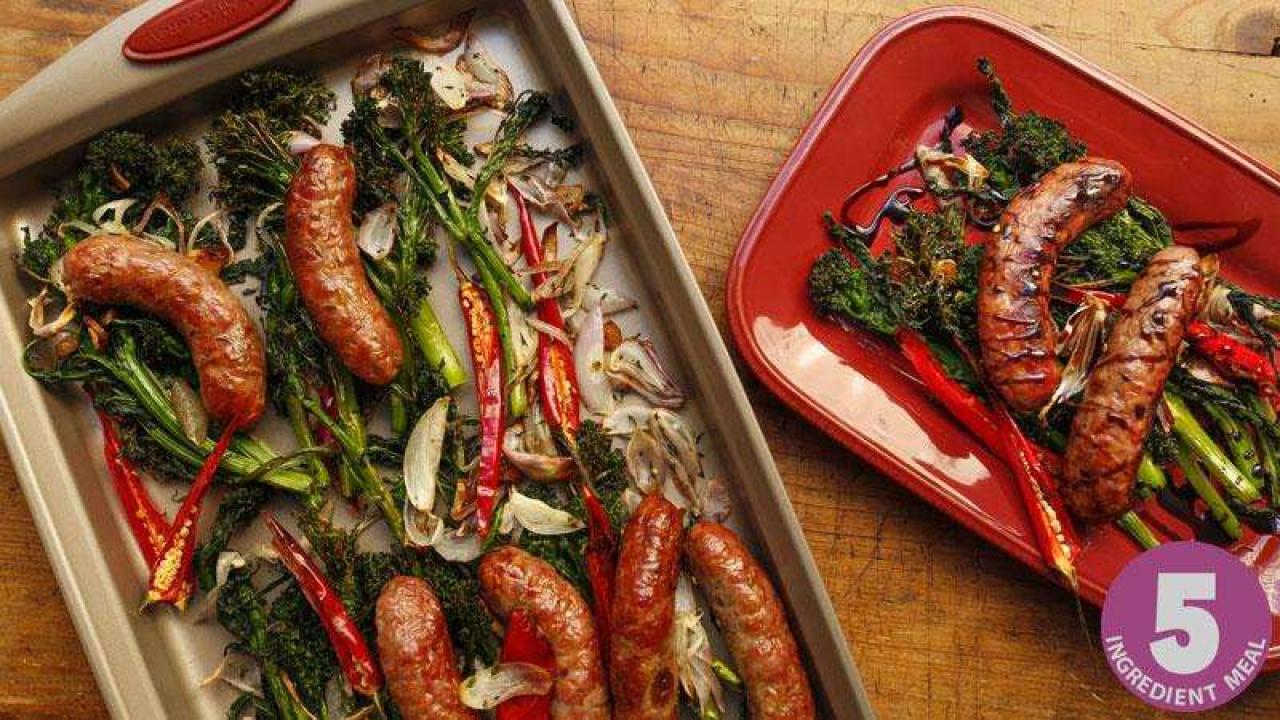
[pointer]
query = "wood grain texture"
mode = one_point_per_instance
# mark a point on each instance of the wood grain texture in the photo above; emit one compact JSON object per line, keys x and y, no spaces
{"x":714,"y":93}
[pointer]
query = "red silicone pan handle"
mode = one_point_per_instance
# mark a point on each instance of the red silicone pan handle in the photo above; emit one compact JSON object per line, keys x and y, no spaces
{"x":194,"y":26}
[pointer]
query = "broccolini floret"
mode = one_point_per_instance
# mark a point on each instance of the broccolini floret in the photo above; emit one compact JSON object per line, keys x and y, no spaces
{"x":1115,"y":250}
{"x":841,"y":292}
{"x":118,"y":164}
{"x":1024,"y":147}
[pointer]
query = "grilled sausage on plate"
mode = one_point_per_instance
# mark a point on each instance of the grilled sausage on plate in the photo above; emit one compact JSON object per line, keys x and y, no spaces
{"x":1015,"y":330}
{"x":511,"y":578}
{"x":642,"y":662}
{"x":416,"y":653}
{"x":1120,"y":396}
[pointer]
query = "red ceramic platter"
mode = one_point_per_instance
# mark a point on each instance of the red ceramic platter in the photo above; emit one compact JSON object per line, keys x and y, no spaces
{"x":855,"y":386}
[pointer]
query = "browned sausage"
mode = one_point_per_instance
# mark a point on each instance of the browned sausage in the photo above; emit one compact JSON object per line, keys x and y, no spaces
{"x":1015,"y":330}
{"x":416,"y":653}
{"x":226,"y":350}
{"x":1111,"y":424}
{"x":321,"y":246}
{"x":754,"y":624}
{"x":511,"y":578}
{"x":642,"y":660}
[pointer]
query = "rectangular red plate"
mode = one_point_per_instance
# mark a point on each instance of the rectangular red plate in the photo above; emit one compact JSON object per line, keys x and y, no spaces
{"x":854,"y":386}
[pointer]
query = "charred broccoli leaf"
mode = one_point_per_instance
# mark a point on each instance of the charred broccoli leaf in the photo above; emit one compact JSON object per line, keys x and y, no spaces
{"x":118,"y":164}
{"x":290,"y":647}
{"x":297,"y":641}
{"x":1115,"y":251}
{"x":928,"y":282}
{"x":1026,"y":145}
{"x":567,"y":157}
{"x":133,"y":165}
{"x":239,"y":506}
{"x":249,"y":141}
{"x":843,"y":292}
{"x":289,"y":99}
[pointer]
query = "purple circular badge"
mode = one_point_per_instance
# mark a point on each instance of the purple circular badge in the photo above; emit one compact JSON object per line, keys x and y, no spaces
{"x":1186,"y":627}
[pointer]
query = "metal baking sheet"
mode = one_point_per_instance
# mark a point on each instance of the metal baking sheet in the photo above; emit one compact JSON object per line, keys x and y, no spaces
{"x":149,"y":665}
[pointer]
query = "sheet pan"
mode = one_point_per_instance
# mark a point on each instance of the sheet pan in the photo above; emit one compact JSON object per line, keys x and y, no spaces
{"x":149,"y":665}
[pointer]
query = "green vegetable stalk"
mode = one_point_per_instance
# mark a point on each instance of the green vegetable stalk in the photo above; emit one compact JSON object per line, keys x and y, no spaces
{"x":123,"y":383}
{"x":1151,"y":479}
{"x":243,"y":612}
{"x":347,"y":427}
{"x":1190,"y":464}
{"x":1194,"y":439}
{"x":1239,"y":443}
{"x":1132,"y":524}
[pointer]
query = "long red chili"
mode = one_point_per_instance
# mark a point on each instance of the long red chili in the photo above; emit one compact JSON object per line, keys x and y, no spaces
{"x":486,"y":360}
{"x":1055,"y":534}
{"x":1235,"y":359}
{"x":147,"y":523}
{"x":354,"y":656}
{"x":557,"y":380}
{"x":962,"y":404}
{"x":171,"y":578}
{"x":523,"y":643}
{"x":997,"y":429}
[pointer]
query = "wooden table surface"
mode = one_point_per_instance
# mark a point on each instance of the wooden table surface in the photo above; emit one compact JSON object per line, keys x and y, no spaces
{"x":714,"y":93}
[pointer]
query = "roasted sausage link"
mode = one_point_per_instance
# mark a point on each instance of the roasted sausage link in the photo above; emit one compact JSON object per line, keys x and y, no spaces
{"x":642,"y":660}
{"x":1015,"y":330}
{"x":511,"y":578}
{"x":747,"y":609}
{"x":1120,"y":396}
{"x":225,"y":348}
{"x":321,"y":247}
{"x":416,"y":653}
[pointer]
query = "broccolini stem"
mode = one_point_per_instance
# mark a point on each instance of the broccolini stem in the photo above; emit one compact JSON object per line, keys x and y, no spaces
{"x":355,"y":471}
{"x":517,"y":403}
{"x":1187,"y":460}
{"x":1269,"y":453}
{"x":234,"y":463}
{"x":1239,"y":443}
{"x":1196,"y":440}
{"x":1151,"y":479}
{"x":1131,"y":523}
{"x":245,"y":453}
{"x":434,"y":344}
{"x":297,"y":416}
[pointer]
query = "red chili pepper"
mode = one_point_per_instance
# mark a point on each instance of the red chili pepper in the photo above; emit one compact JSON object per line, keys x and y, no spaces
{"x":962,"y":404}
{"x":1053,"y":529}
{"x":354,"y":656}
{"x":486,"y":360}
{"x":147,"y":523}
{"x":1235,"y":359}
{"x":523,"y":643}
{"x":171,"y":579}
{"x":997,"y":430}
{"x":600,"y":563}
{"x":557,"y":379}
